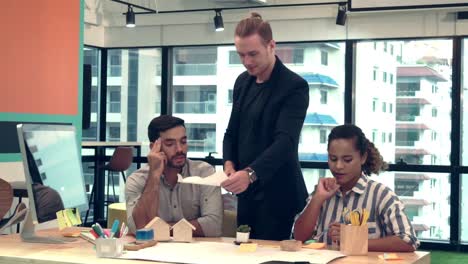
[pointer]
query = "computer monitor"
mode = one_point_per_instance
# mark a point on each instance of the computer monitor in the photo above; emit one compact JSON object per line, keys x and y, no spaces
{"x":54,"y":175}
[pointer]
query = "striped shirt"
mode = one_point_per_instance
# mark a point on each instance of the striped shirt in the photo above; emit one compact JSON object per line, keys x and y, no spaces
{"x":387,"y":216}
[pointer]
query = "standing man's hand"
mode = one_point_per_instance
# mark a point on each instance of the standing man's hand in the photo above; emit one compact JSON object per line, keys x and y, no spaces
{"x":237,"y":182}
{"x":229,"y":168}
{"x":157,"y":160}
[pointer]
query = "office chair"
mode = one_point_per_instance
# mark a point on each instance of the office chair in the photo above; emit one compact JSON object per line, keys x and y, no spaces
{"x":120,"y":161}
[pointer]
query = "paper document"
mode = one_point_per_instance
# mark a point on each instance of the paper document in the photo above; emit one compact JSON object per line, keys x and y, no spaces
{"x":214,"y":179}
{"x":226,"y":253}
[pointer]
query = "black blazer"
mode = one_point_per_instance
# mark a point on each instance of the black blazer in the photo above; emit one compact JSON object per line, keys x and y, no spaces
{"x":274,"y":155}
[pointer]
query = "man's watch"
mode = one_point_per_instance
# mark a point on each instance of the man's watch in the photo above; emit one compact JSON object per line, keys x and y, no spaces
{"x":252,"y":174}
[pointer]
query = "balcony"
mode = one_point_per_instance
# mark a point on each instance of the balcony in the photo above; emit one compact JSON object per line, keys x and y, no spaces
{"x":208,"y":107}
{"x":194,"y":69}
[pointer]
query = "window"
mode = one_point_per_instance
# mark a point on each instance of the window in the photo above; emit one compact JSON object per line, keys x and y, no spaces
{"x":195,"y":61}
{"x":323,"y":136}
{"x":374,"y":74}
{"x":290,"y":54}
{"x":385,"y":46}
{"x":391,"y":78}
{"x":324,"y":57}
{"x":375,"y":45}
{"x":133,"y":103}
{"x":200,"y":99}
{"x":391,"y":49}
{"x":323,"y":97}
{"x":201,"y":137}
{"x":374,"y":105}
{"x":384,"y":79}
{"x":234,"y":57}
{"x":434,"y":112}
{"x":91,"y":56}
{"x":115,"y":63}
{"x":384,"y":107}
{"x":390,"y":137}
{"x":390,"y":106}
{"x":230,"y":94}
{"x":384,"y":137}
{"x":374,"y":135}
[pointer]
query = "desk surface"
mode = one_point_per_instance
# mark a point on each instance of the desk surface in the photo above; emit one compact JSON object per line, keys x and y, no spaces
{"x":110,"y":144}
{"x":81,"y":251}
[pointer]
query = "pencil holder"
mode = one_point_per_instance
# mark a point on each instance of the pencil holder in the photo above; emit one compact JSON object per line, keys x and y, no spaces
{"x":108,"y":247}
{"x":354,"y":240}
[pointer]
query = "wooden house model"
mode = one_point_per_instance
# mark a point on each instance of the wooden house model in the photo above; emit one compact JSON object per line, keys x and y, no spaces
{"x":161,"y":229}
{"x":182,"y":231}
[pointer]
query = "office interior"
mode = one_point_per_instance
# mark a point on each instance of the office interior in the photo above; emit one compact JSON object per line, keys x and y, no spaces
{"x":395,"y":71}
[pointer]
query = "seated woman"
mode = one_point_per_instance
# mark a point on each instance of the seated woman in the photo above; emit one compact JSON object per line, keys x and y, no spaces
{"x":351,"y":159}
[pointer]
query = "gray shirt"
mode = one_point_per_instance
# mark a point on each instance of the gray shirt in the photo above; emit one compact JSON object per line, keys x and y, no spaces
{"x":189,"y":201}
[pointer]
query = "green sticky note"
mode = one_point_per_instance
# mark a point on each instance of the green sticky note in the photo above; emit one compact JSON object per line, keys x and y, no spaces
{"x":310,"y":241}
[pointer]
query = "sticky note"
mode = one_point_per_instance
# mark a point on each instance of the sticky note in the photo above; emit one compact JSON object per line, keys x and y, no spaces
{"x":62,"y":223}
{"x":248,"y":247}
{"x":314,"y":246}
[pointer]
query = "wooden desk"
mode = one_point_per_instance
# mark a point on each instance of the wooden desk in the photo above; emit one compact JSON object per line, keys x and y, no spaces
{"x":99,"y":177}
{"x":79,"y":252}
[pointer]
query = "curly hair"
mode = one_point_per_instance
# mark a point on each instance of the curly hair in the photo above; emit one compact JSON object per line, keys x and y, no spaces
{"x":374,"y":162}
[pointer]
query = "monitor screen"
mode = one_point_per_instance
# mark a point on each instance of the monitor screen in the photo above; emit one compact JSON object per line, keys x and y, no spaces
{"x":53,"y":169}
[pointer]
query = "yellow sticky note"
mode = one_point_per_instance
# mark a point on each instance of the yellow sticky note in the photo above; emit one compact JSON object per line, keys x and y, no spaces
{"x":78,"y":216}
{"x":72,"y":217}
{"x":248,"y":247}
{"x":62,"y":223}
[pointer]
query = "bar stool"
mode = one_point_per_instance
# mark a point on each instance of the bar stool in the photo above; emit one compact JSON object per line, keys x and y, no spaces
{"x":120,"y":161}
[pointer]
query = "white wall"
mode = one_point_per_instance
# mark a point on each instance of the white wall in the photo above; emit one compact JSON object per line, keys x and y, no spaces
{"x":305,"y":23}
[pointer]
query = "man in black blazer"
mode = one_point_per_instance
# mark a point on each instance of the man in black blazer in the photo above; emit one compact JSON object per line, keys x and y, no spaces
{"x":260,"y":147}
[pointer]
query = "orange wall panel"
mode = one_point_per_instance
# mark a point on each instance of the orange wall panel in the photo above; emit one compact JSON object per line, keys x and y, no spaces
{"x":40,"y":66}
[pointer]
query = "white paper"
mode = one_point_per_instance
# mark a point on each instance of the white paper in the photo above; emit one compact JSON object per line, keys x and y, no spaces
{"x":214,"y":179}
{"x":226,"y":253}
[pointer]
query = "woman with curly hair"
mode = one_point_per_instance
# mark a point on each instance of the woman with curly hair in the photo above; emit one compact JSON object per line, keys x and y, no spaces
{"x":351,"y":159}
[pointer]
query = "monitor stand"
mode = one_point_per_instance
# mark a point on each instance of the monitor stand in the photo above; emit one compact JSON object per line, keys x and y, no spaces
{"x":29,"y":235}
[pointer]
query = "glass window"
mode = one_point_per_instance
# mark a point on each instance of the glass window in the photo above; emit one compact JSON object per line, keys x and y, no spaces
{"x":384,"y":107}
{"x":324,"y":57}
{"x":234,"y":57}
{"x":326,"y":94}
{"x":374,"y":105}
{"x":390,"y":110}
{"x":230,"y":94}
{"x":194,"y":99}
{"x":134,"y":96}
{"x":290,"y":54}
{"x":195,"y":61}
{"x":323,"y":97}
{"x":201,"y":137}
{"x":384,"y":79}
{"x":323,"y":136}
{"x":462,"y":208}
{"x":384,"y":137}
{"x":312,"y":176}
{"x":426,"y":197}
{"x":424,"y":64}
{"x":114,"y":63}
{"x":91,"y":56}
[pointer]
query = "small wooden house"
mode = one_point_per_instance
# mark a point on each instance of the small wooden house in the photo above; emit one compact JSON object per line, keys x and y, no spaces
{"x":161,"y":229}
{"x":182,"y":231}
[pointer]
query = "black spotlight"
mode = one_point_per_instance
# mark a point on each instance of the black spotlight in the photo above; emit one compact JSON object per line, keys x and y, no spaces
{"x":218,"y":21}
{"x":341,"y":16}
{"x":130,"y":17}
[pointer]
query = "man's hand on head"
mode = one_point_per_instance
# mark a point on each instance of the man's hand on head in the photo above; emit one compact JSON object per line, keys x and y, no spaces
{"x":237,"y":182}
{"x":157,"y":159}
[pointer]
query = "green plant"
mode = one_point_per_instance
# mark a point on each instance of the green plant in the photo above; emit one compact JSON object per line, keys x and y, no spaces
{"x":243,"y":229}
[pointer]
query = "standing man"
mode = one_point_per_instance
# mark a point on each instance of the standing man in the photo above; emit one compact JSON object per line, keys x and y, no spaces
{"x":154,"y":189}
{"x":260,"y":146}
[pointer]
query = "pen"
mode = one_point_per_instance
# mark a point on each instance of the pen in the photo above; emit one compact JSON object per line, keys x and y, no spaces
{"x":114,"y":229}
{"x":98,"y":230}
{"x":101,"y":230}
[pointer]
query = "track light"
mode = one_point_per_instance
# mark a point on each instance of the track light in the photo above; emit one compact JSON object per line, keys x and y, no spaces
{"x":218,"y":21}
{"x":130,"y":15}
{"x":341,"y":16}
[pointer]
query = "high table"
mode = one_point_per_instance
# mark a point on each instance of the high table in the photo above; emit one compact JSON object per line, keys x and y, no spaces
{"x":99,"y":180}
{"x":13,"y":250}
